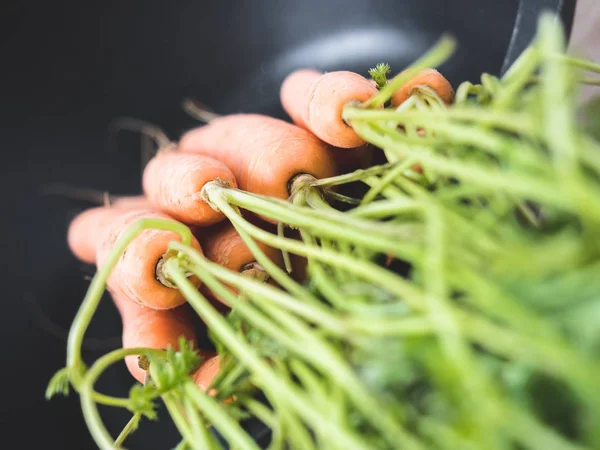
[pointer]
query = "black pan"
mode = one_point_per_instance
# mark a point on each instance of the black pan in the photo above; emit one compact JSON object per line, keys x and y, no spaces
{"x":68,"y":68}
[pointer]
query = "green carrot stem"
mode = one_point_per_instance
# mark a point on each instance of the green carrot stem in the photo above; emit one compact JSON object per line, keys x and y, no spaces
{"x":387,"y":179}
{"x":331,"y":224}
{"x":577,"y":62}
{"x":516,"y":78}
{"x":519,"y":185}
{"x":128,"y":429}
{"x":200,"y":435}
{"x":206,"y":270}
{"x":387,"y":208}
{"x":514,"y":122}
{"x":336,"y":367}
{"x":361,"y":269}
{"x":274,"y":271}
{"x":261,"y":412}
{"x":442,"y":50}
{"x":179,"y":419}
{"x":351,"y":177}
{"x":443,"y":318}
{"x":247,"y":356}
{"x":226,"y":425}
{"x":88,"y":405}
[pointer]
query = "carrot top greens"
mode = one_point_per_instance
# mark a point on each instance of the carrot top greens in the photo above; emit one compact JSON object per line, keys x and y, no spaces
{"x":483,"y":331}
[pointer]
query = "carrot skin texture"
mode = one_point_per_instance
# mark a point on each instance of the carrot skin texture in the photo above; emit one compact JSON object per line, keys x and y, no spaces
{"x":173,"y":182}
{"x":325,"y":102}
{"x":294,"y":94}
{"x":134,"y":275}
{"x":315,"y":101}
{"x":263,"y":153}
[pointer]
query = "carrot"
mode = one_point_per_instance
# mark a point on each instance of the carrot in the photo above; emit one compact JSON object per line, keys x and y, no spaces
{"x":294,"y":93}
{"x":316,"y":102}
{"x":264,"y":154}
{"x":223,"y":245}
{"x":149,"y":328}
{"x":428,"y":77}
{"x":135,"y":274}
{"x":173,"y":182}
{"x":85,"y":230}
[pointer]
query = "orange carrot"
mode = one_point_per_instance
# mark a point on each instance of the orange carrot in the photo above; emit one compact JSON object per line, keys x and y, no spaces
{"x":428,"y":77}
{"x":223,"y":245}
{"x":204,"y":376}
{"x":149,"y":328}
{"x":316,"y":102}
{"x":264,"y":154}
{"x":173,"y":181}
{"x":294,"y":94}
{"x":135,"y":274}
{"x":85,"y":230}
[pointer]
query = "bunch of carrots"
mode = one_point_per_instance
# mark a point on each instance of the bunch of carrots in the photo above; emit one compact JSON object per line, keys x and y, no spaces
{"x":404,"y":266}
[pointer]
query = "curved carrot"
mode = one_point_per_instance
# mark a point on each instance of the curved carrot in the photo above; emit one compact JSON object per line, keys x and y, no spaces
{"x":264,"y":154}
{"x":135,"y":274}
{"x":149,"y":328}
{"x":428,"y":77}
{"x":173,"y":182}
{"x":319,"y":106}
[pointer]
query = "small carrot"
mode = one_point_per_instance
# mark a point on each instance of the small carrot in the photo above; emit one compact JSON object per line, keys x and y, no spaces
{"x":223,"y":245}
{"x":173,"y":182}
{"x":428,"y":77}
{"x":264,"y":154}
{"x":149,"y":328}
{"x":316,"y":103}
{"x":135,"y":275}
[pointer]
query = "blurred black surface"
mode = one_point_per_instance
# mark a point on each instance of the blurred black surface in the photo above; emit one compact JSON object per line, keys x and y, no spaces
{"x":68,"y":68}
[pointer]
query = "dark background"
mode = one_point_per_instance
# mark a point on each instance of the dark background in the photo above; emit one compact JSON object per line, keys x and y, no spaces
{"x":67,"y":68}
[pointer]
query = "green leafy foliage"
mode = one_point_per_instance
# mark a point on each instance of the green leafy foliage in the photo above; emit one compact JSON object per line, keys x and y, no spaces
{"x":143,"y":400}
{"x":175,"y":369}
{"x":379,"y":74}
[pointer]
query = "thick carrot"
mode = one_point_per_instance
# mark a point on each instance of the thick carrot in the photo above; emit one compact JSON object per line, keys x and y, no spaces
{"x":428,"y":77}
{"x":85,"y":230}
{"x":173,"y":182}
{"x":149,"y":328}
{"x":316,"y":102}
{"x":135,"y":274}
{"x":223,"y":245}
{"x":264,"y":154}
